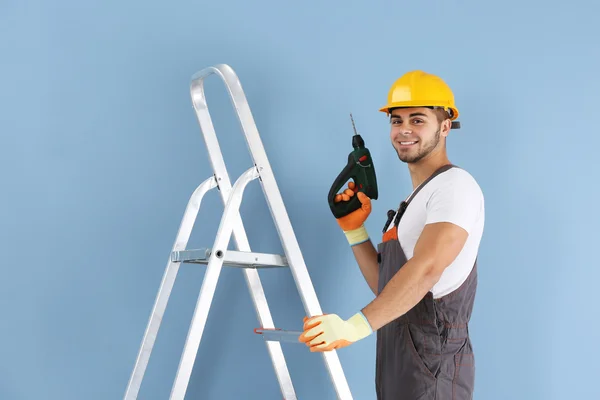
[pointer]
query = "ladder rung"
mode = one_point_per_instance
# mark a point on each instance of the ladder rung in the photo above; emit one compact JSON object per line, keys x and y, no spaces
{"x":231,"y":258}
{"x":278,"y":335}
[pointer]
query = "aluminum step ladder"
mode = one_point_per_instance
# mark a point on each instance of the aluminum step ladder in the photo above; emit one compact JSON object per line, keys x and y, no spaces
{"x":219,"y":255}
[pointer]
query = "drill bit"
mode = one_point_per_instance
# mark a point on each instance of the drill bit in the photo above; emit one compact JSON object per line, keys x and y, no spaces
{"x":353,"y":126}
{"x":357,"y":140}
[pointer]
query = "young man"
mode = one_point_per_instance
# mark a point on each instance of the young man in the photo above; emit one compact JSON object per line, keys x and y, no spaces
{"x":423,"y":272}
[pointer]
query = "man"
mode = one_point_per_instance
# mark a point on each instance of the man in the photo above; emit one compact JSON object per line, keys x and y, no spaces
{"x":423,"y":273}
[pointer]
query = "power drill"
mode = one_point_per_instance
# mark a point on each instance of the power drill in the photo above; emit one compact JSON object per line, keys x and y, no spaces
{"x":361,"y":170}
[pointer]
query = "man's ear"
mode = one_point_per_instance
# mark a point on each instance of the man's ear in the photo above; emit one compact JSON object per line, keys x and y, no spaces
{"x":445,"y":128}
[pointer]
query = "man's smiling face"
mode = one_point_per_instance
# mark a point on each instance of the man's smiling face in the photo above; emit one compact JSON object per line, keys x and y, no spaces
{"x":416,"y":132}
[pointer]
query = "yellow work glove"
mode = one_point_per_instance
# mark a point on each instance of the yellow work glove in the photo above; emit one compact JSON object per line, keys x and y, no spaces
{"x":329,"y":332}
{"x":353,"y":223}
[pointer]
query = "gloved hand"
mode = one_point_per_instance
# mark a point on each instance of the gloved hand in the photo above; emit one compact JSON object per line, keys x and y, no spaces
{"x":329,"y":332}
{"x":353,"y":223}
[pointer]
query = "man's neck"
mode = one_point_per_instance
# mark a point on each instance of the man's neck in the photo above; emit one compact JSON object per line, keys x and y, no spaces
{"x":422,"y":170}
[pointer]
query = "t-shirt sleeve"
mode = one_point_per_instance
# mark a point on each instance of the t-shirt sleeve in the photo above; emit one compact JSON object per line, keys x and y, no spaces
{"x":459,"y":201}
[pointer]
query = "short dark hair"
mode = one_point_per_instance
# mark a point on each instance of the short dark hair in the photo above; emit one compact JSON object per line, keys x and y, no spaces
{"x":441,"y":114}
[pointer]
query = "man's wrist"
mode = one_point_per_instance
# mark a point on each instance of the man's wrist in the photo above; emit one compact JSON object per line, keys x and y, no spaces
{"x":361,"y":324}
{"x":357,"y":236}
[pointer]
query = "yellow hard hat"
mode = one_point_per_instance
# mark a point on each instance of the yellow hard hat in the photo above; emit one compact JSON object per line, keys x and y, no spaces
{"x":421,"y":89}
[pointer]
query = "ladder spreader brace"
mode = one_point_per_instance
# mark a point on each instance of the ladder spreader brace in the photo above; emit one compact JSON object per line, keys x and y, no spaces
{"x":218,"y":256}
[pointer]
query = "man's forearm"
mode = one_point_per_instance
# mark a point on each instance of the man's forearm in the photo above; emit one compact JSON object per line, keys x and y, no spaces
{"x":438,"y":246}
{"x":366,"y":257}
{"x":406,"y":288}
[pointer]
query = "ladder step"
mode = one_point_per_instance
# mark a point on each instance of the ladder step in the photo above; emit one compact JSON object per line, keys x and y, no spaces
{"x":231,"y":258}
{"x":278,"y":335}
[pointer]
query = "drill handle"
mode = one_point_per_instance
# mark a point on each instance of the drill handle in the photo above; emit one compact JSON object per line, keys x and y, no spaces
{"x":343,"y":208}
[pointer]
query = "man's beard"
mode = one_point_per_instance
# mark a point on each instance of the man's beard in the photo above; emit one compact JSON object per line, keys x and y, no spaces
{"x":423,"y":152}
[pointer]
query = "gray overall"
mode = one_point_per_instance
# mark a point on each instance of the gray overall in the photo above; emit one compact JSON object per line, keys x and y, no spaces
{"x":425,"y":354}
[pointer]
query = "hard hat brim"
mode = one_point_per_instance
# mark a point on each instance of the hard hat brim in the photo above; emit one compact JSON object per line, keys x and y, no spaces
{"x":386,"y":109}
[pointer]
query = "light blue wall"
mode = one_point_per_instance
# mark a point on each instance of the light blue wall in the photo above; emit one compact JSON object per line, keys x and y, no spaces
{"x":101,"y":150}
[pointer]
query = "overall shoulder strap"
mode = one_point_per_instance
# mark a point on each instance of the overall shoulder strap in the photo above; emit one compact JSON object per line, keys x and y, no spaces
{"x":404,"y":204}
{"x":438,"y":171}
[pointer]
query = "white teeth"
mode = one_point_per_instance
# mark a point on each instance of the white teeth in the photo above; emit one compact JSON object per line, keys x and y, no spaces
{"x":405,"y":143}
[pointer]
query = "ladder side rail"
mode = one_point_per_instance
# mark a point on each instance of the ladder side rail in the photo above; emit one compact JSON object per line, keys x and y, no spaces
{"x":209,"y":284}
{"x":280,"y":216}
{"x":218,"y":165}
{"x":251,"y":276}
{"x":271,"y":191}
{"x":166,"y":286}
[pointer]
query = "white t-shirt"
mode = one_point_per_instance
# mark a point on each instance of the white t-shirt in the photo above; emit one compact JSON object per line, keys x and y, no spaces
{"x":451,"y":196}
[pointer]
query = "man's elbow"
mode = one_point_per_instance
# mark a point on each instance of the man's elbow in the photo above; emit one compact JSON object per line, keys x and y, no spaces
{"x":432,"y":269}
{"x":437,"y":248}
